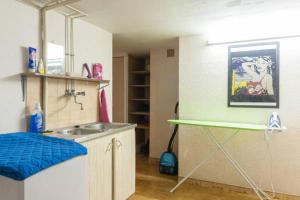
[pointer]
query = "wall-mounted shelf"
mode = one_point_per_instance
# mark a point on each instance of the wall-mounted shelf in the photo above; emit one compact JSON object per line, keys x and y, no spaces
{"x":64,"y":77}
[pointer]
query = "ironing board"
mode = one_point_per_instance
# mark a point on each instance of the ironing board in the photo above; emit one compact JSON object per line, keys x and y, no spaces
{"x":235,"y":126}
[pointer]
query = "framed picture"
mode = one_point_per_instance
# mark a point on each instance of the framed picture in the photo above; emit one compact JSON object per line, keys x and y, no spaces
{"x":253,"y":75}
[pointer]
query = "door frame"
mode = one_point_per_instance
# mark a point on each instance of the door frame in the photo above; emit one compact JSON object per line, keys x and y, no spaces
{"x":125,"y":57}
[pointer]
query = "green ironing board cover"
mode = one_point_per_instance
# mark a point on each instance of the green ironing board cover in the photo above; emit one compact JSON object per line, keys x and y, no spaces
{"x":241,"y":126}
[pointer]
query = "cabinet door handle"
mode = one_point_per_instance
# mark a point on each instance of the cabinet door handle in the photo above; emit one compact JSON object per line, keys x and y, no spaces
{"x":108,"y":148}
{"x":119,"y":144}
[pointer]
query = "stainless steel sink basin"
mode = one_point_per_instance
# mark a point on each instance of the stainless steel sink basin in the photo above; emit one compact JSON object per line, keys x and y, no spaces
{"x":96,"y":126}
{"x":91,"y":129}
{"x":106,"y":126}
{"x":77,"y":131}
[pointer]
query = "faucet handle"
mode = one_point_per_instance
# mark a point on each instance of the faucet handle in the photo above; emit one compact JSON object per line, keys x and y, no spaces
{"x":81,"y":93}
{"x":68,"y":92}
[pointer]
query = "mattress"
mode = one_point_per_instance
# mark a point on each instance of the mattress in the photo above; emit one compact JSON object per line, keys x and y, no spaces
{"x":25,"y":154}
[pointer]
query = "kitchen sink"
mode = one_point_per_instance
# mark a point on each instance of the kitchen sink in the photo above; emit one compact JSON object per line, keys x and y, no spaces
{"x":77,"y":131}
{"x":96,"y":126}
{"x":91,"y":129}
{"x":106,"y":126}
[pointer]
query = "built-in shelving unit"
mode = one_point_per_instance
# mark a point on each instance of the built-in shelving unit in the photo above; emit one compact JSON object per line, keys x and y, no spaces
{"x":139,"y":98}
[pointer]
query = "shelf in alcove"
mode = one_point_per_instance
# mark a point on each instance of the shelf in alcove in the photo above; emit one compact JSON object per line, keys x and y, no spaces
{"x":140,"y":113}
{"x":143,"y":126}
{"x":140,"y":72}
{"x":139,"y":99}
{"x":140,"y":86}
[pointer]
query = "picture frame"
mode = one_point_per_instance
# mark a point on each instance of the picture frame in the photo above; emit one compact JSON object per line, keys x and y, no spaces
{"x":253,"y":75}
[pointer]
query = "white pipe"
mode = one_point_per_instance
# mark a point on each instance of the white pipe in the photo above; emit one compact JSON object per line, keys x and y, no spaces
{"x":77,"y":10}
{"x":72,"y":44}
{"x":45,"y":101}
{"x":67,"y":49}
{"x":66,"y":44}
{"x":44,"y":39}
{"x":59,"y":4}
{"x":30,"y":3}
{"x":54,"y":5}
{"x":77,"y":16}
{"x":44,"y":56}
{"x":72,"y":50}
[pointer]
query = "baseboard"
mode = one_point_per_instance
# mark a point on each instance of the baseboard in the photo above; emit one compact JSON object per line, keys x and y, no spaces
{"x":232,"y":188}
{"x":228,"y":188}
{"x":152,"y":160}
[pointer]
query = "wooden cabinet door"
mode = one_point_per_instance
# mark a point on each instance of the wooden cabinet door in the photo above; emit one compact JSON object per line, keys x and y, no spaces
{"x":124,"y":164}
{"x":100,"y":167}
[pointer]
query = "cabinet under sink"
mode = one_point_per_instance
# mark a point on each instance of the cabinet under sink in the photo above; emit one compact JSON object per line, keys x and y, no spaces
{"x":111,"y":166}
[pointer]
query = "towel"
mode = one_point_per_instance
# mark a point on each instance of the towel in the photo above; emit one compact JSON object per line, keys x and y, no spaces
{"x":103,"y":117}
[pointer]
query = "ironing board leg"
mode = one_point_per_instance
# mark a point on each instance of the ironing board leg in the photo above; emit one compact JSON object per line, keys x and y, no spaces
{"x":202,"y":163}
{"x":259,"y":192}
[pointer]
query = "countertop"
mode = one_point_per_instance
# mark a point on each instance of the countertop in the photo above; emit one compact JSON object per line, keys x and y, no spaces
{"x":85,"y":138}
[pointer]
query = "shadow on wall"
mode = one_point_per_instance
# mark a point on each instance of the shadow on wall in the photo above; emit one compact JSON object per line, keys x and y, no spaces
{"x":15,"y":76}
{"x":24,"y":120}
{"x":16,"y":79}
{"x":25,"y":57}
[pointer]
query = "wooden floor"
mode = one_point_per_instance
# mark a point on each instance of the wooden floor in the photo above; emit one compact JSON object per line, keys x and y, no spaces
{"x":150,"y":185}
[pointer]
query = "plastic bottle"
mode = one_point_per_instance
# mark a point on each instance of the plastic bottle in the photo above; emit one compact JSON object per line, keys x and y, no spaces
{"x":41,"y":68}
{"x":36,"y":119}
{"x":32,"y":60}
{"x":97,"y":71}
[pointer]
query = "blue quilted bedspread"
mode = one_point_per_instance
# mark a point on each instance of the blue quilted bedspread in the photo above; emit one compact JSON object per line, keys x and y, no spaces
{"x":25,"y":154}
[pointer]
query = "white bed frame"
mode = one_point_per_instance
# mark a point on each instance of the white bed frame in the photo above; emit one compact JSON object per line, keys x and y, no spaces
{"x":67,"y":180}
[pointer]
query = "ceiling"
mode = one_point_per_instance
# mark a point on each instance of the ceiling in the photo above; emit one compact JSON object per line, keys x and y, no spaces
{"x":140,"y":25}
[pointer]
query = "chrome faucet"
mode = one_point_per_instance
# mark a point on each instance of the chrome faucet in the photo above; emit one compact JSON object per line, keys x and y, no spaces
{"x":75,"y":94}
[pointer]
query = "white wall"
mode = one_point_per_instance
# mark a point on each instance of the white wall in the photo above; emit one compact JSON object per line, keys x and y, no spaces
{"x":20,"y":29}
{"x":55,"y":27}
{"x":203,"y":96}
{"x":164,"y":95}
{"x":94,"y":45}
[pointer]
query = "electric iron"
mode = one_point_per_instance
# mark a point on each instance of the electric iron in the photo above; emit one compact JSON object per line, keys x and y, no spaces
{"x":274,"y":121}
